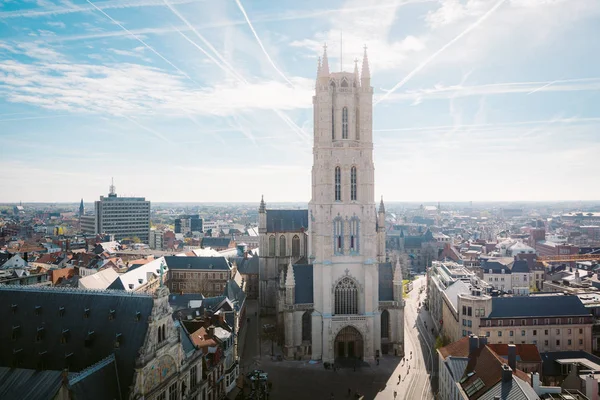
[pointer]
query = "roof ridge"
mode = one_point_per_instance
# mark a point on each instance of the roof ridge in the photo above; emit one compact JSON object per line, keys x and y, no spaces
{"x":67,"y":289}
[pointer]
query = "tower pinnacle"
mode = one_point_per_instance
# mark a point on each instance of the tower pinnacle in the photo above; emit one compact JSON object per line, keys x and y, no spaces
{"x":262,"y":207}
{"x":325,"y":65}
{"x":366,"y":72}
{"x":381,"y":206}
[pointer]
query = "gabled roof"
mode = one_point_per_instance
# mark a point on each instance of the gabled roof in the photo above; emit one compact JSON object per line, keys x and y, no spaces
{"x":496,"y":267}
{"x":100,"y":280}
{"x":287,"y":220}
{"x":83,"y":317}
{"x":247,"y":266}
{"x":98,"y":382}
{"x":234,"y":293}
{"x":537,"y":306}
{"x":460,"y":348}
{"x":386,"y":285}
{"x":203,"y":263}
{"x":134,"y":278}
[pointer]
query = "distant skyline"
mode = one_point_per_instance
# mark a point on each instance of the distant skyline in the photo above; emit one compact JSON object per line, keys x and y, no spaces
{"x":194,"y":101}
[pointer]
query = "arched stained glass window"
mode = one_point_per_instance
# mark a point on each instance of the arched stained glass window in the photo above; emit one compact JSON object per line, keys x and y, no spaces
{"x":295,"y":246}
{"x":272,"y":246}
{"x":346,"y":296}
{"x":282,"y":247}
{"x":385,"y":324}
{"x":338,"y":235}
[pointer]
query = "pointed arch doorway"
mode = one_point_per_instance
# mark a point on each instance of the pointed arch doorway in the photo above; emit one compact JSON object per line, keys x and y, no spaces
{"x":348,"y":344}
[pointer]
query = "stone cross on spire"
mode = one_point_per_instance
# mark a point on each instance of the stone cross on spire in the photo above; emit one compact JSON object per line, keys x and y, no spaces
{"x":325,"y":64}
{"x":366,"y":72}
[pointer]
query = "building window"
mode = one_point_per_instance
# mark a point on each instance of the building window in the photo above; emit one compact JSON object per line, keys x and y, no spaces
{"x":353,"y":183}
{"x":464,"y":310}
{"x":385,"y":324}
{"x":469,"y":311}
{"x":558,"y":342}
{"x":354,"y":225}
{"x":272,"y":246}
{"x":338,"y":235}
{"x":523,"y":322}
{"x":581,"y":331}
{"x":545,"y":343}
{"x":346,"y":296}
{"x":162,"y":396}
{"x":569,"y":331}
{"x":345,"y":123}
{"x":569,"y":342}
{"x":295,"y":246}
{"x":338,"y":184}
{"x":522,"y":333}
{"x":499,"y":333}
{"x":580,"y":341}
{"x":193,"y":377}
{"x":356,"y":117}
{"x":511,"y":333}
{"x":282,"y":247}
{"x":487,"y":334}
{"x":535,"y":332}
{"x":558,"y":331}
{"x":173,"y":391}
{"x":464,"y":333}
{"x":306,"y":326}
{"x":546,"y":332}
{"x":570,"y":321}
{"x":535,"y":322}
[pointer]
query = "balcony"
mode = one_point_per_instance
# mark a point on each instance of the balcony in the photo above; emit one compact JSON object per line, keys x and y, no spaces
{"x":348,"y":318}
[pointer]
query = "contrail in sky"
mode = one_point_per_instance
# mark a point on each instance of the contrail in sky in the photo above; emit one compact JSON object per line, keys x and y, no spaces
{"x":441,"y":50}
{"x":141,"y":41}
{"x":260,"y":43}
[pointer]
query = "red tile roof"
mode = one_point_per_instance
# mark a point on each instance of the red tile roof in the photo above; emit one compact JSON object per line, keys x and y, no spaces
{"x":527,"y":352}
{"x":460,"y":348}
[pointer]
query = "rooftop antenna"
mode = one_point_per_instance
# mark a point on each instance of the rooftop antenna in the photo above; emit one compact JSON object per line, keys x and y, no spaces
{"x":112,"y":191}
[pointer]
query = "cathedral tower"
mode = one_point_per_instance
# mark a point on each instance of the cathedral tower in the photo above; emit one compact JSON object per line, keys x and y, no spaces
{"x":346,"y":232}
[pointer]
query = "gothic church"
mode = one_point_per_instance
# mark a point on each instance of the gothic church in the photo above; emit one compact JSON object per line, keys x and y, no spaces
{"x":323,"y":271}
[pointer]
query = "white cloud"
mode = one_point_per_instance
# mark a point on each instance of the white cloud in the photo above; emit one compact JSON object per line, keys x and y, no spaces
{"x":136,"y":89}
{"x":56,"y":24}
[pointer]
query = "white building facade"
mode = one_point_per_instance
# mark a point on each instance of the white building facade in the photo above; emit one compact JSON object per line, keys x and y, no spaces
{"x":346,"y":235}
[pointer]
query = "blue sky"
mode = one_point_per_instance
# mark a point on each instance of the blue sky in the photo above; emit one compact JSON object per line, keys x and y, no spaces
{"x":188,"y":100}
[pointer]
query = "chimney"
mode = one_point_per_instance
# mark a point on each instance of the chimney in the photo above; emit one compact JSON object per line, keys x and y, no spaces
{"x":211,"y":331}
{"x":512,"y":356}
{"x":535,"y":382}
{"x":482,"y":341}
{"x":245,"y":255}
{"x":591,"y":387}
{"x":506,"y":373}
{"x":473,"y":344}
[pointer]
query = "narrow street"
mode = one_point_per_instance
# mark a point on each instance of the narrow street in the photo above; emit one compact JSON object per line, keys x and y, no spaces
{"x":415,"y":382}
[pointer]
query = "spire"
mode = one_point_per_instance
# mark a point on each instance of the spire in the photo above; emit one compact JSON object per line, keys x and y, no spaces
{"x":356,"y":76}
{"x":325,"y":65}
{"x":262,"y":207}
{"x":381,"y":206}
{"x":289,"y":279}
{"x":398,"y":271}
{"x":81,"y":208}
{"x":319,"y":67}
{"x":366,"y":72}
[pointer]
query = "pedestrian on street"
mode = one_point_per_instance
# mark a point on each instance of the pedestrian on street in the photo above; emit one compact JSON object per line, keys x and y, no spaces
{"x":395,"y":394}
{"x":399,"y":378}
{"x":332,"y":397}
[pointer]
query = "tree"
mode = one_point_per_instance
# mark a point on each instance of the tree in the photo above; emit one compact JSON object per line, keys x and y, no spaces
{"x":441,"y":341}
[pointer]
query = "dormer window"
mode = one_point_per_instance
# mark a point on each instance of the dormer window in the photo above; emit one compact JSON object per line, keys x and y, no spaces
{"x":61,"y":311}
{"x":140,"y":281}
{"x":112,"y":314}
{"x":131,"y":286}
{"x":66,"y":333}
{"x":38,"y":310}
{"x":16,"y":332}
{"x":86,"y":313}
{"x":118,"y":339}
{"x":138,"y":316}
{"x":13,"y":308}
{"x":40,"y":334}
{"x":89,"y":339}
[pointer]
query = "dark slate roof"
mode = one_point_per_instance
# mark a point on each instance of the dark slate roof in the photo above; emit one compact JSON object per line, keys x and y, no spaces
{"x":38,"y":309}
{"x":496,"y":267}
{"x":303,"y":275}
{"x":551,"y":368}
{"x":179,"y":301}
{"x":287,"y":220}
{"x":218,"y":263}
{"x":234,"y":293}
{"x":386,"y":276}
{"x":412,"y":242}
{"x":98,"y":382}
{"x":520,"y":266}
{"x":19,"y":383}
{"x":247,"y":266}
{"x":537,"y":306}
{"x":216,"y":241}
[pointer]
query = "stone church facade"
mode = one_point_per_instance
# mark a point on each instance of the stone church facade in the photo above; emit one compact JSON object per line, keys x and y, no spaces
{"x":337,"y":298}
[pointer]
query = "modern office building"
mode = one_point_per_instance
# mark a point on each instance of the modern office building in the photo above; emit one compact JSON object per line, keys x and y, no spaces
{"x":187,"y":224}
{"x":88,"y":224}
{"x":123,"y":217}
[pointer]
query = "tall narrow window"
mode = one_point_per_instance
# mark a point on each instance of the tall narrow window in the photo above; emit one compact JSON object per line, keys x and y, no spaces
{"x":338,"y":235}
{"x":332,"y":86}
{"x":338,"y":184}
{"x":272,"y":246}
{"x":356,"y":114}
{"x":282,"y":248}
{"x":345,"y":123}
{"x":295,"y":246}
{"x":353,"y":183}
{"x":385,"y":324}
{"x":354,"y":227}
